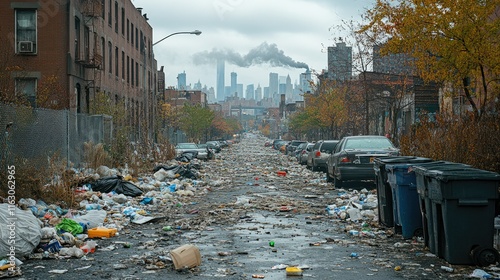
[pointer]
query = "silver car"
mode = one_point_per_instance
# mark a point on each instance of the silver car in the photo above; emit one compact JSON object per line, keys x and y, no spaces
{"x":317,"y":158}
{"x":201,"y":153}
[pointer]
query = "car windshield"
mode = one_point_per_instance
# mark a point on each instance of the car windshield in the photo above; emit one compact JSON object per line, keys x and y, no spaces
{"x":187,"y":146}
{"x":368,"y":143}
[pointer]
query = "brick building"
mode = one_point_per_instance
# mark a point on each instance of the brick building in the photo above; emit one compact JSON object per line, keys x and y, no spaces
{"x":84,"y":47}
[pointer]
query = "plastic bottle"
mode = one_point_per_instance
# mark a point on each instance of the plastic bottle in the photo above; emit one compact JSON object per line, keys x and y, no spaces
{"x":447,"y":268}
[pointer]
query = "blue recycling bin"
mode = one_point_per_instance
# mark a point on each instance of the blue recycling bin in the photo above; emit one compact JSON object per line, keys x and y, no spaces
{"x":406,"y":204}
{"x":384,"y":191}
{"x":425,"y":201}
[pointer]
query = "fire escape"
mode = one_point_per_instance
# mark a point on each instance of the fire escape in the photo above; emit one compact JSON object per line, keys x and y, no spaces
{"x":90,"y":58}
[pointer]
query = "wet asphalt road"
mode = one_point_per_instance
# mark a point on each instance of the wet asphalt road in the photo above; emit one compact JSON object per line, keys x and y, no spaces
{"x":233,"y":221}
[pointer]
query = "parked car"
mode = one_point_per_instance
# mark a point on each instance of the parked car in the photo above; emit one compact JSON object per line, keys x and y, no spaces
{"x":201,"y":153}
{"x":316,"y":159}
{"x":292,"y":146}
{"x":302,"y":155}
{"x":214,"y":145}
{"x":210,"y":151}
{"x":353,"y":158}
{"x":277,"y":143}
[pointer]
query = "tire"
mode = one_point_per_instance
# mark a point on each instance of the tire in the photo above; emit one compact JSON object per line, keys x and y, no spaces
{"x":484,"y":256}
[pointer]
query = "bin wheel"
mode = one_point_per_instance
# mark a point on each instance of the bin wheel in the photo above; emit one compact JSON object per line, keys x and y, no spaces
{"x":484,"y":256}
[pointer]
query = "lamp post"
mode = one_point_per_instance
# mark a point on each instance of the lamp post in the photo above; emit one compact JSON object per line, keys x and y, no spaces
{"x":194,"y":32}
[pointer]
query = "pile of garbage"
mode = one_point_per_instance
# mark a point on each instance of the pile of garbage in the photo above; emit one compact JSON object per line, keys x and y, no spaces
{"x":107,"y":200}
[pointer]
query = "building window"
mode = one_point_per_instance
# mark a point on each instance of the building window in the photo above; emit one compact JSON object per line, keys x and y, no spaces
{"x":128,"y":30}
{"x":136,"y":38}
{"x":26,"y":31}
{"x":128,"y":69}
{"x":132,"y":72}
{"x":86,"y":43}
{"x":123,"y":65}
{"x":77,"y":38}
{"x":137,"y":74}
{"x":103,"y":52}
{"x":110,"y":57}
{"x":26,"y":87}
{"x":103,"y":3}
{"x":132,"y":33}
{"x":116,"y":62}
{"x":143,"y":39}
{"x":109,"y":14}
{"x":116,"y":17}
{"x":123,"y":21}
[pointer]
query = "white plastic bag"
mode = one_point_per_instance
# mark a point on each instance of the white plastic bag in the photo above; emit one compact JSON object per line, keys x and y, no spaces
{"x":19,"y":226}
{"x":92,"y":219}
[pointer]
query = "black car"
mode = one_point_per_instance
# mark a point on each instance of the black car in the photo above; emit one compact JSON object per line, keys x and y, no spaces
{"x":352,"y":159}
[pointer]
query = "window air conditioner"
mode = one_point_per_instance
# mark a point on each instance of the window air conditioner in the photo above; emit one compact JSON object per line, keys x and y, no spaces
{"x":25,"y":47}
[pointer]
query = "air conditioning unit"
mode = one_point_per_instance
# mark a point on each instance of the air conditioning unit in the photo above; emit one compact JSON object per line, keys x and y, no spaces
{"x":25,"y":47}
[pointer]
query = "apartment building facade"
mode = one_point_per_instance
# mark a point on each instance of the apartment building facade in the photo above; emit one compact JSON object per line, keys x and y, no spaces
{"x":86,"y":48}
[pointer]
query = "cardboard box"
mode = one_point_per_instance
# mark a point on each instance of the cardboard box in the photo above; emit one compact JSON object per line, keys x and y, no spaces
{"x":186,"y":256}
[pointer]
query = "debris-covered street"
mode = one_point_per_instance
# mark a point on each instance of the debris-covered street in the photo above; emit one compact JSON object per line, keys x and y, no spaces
{"x":250,"y":213}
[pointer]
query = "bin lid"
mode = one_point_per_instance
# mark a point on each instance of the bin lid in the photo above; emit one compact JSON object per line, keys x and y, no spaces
{"x":399,"y":159}
{"x":464,"y":174}
{"x":406,"y":165}
{"x":421,"y":168}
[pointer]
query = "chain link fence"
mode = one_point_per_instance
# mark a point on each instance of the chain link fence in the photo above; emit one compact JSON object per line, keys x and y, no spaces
{"x":30,"y":133}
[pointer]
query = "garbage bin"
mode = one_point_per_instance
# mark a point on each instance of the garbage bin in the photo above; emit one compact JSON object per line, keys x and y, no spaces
{"x":424,"y":200}
{"x":406,"y":204}
{"x":463,"y":210}
{"x":384,"y":191}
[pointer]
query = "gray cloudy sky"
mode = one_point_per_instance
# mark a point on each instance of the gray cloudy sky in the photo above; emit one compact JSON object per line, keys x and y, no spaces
{"x":257,"y":36}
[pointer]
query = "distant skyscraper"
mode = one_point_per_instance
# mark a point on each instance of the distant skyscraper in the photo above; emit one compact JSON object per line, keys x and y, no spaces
{"x":258,"y":93}
{"x":288,"y":89}
{"x":181,"y":81}
{"x":340,"y":62}
{"x":197,"y":86}
{"x":273,"y":85}
{"x":220,"y":80}
{"x":239,"y":90}
{"x":227,"y":92}
{"x":266,"y":93}
{"x":250,"y":94}
{"x":304,"y":81}
{"x":234,"y":80}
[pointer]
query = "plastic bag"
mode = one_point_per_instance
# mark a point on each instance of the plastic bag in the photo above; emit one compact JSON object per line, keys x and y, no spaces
{"x":71,"y":252}
{"x":27,"y":230}
{"x":116,"y":184}
{"x":70,"y":226}
{"x":92,"y":219}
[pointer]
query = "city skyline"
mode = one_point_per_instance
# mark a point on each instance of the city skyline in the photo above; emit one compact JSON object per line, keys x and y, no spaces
{"x":301,"y":83}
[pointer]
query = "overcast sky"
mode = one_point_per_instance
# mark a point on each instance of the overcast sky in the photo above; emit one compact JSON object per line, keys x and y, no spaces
{"x":244,"y":30}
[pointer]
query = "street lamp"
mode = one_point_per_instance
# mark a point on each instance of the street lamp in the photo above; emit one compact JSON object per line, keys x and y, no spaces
{"x":195,"y":32}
